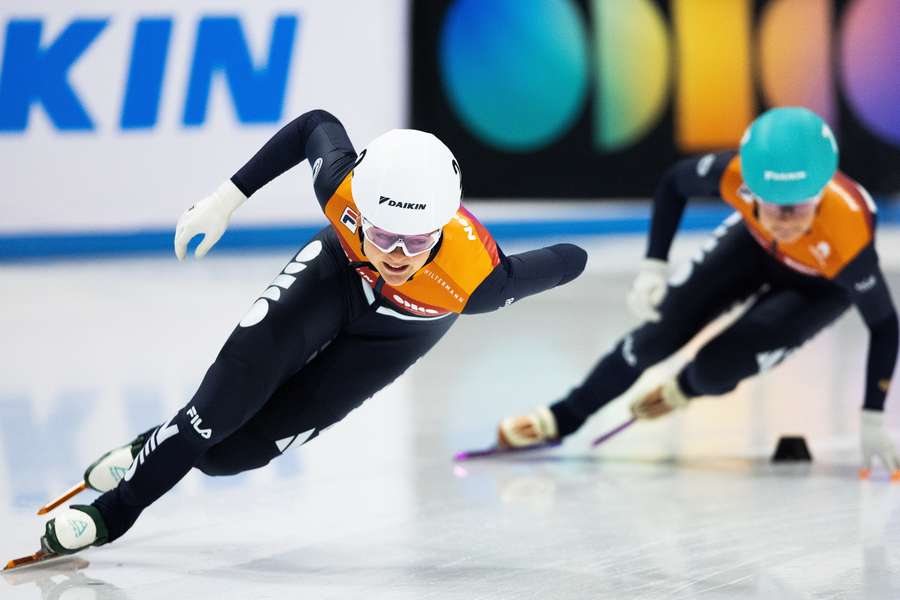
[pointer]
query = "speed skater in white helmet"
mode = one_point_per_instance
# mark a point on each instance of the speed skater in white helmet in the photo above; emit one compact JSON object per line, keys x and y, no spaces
{"x":355,"y":307}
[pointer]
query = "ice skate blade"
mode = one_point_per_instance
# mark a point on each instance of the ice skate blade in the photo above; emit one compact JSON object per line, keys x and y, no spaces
{"x":71,"y":493}
{"x":40,"y":557}
{"x":23,"y":572}
{"x":614,"y":432}
{"x":501,"y":451}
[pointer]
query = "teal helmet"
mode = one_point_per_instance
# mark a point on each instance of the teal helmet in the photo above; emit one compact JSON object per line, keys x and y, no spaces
{"x":788,"y":155}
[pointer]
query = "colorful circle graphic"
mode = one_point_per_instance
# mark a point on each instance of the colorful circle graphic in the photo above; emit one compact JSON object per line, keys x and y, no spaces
{"x":870,"y":57}
{"x":515,"y":71}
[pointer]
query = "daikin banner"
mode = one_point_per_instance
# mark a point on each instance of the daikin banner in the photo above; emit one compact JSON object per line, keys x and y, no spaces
{"x":120,"y":115}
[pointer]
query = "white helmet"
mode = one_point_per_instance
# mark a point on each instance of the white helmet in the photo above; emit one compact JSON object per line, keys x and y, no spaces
{"x":407,"y":182}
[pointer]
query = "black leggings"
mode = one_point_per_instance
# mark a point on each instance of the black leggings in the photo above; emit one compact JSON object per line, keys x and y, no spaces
{"x":311,"y":349}
{"x":788,"y":309}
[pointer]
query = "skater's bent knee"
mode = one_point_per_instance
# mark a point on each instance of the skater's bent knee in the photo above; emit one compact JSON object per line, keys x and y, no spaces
{"x":715,"y":371}
{"x":214,"y":469}
{"x":224,"y":468}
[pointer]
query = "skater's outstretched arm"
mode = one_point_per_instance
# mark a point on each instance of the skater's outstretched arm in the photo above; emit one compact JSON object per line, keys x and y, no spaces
{"x":699,"y":176}
{"x":691,"y":177}
{"x":864,"y":281}
{"x":526,"y":274}
{"x":316,"y":135}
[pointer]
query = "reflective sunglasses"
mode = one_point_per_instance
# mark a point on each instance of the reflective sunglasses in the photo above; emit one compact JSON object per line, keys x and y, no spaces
{"x":412,"y":245}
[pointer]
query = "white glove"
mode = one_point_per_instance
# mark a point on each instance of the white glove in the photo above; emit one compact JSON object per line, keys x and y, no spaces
{"x":875,"y":442}
{"x":648,"y":289}
{"x":210,"y":217}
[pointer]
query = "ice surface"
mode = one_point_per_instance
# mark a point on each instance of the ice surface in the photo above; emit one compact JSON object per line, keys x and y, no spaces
{"x":689,"y":507}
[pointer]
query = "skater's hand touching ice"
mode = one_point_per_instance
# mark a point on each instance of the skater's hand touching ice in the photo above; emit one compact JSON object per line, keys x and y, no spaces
{"x":209,"y":217}
{"x":649,"y":289}
{"x":876,"y":442}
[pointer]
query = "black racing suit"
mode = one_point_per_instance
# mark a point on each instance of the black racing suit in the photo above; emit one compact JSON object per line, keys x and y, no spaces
{"x":317,"y":344}
{"x":788,"y":308}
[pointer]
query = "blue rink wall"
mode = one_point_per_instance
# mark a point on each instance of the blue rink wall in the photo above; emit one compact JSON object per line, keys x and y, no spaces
{"x":594,"y":219}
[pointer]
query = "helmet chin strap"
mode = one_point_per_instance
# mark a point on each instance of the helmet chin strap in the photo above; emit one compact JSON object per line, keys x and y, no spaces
{"x":362,"y":241}
{"x":362,"y":263}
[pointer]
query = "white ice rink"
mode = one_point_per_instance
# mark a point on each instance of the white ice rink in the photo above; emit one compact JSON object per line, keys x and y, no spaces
{"x":689,"y":507}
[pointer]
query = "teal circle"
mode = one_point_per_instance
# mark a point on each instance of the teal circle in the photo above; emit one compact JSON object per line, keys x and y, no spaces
{"x":515,"y":71}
